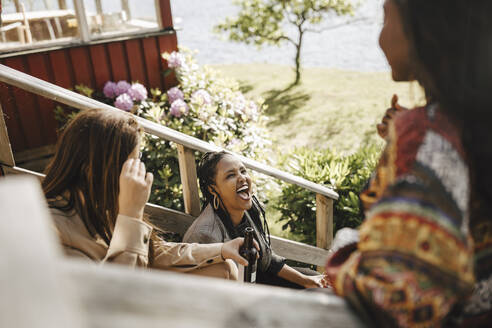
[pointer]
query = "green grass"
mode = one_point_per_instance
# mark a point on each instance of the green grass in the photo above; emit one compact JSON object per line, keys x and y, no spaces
{"x":330,"y":108}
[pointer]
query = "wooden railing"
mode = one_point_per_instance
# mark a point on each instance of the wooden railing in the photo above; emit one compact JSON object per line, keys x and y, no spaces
{"x":42,"y":289}
{"x":173,"y":220}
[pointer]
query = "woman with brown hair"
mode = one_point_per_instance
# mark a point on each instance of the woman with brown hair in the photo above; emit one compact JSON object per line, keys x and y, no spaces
{"x":424,"y":254}
{"x":97,"y":188}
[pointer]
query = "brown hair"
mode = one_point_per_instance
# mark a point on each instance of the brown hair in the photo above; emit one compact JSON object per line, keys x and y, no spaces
{"x":86,"y":167}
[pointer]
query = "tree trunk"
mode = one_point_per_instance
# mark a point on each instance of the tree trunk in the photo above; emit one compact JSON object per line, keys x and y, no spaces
{"x":298,"y":55}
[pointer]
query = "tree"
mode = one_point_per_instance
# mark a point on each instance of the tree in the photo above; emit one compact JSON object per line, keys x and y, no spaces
{"x":262,"y":22}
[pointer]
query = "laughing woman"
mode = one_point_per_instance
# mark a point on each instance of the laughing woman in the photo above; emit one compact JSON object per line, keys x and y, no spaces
{"x":97,"y":189}
{"x":229,"y":209}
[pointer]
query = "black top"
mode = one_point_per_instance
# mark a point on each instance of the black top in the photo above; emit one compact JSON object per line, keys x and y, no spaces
{"x":269,"y":262}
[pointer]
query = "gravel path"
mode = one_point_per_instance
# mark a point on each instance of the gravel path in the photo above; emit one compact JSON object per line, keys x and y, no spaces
{"x":350,"y":47}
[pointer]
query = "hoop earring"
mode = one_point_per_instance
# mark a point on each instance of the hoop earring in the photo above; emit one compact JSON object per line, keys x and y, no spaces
{"x":216,"y":202}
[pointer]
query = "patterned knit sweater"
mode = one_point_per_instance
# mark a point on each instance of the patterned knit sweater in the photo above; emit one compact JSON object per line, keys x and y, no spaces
{"x":414,"y":261}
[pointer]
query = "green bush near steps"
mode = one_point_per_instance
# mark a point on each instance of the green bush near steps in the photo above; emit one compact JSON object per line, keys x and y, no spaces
{"x":345,"y":174}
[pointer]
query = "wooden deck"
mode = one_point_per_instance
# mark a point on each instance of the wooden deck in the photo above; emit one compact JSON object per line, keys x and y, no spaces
{"x":40,"y":288}
{"x":67,"y":293}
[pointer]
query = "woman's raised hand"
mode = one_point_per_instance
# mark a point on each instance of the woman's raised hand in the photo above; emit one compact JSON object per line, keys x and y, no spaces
{"x":230,"y":250}
{"x":135,"y":184}
{"x":389,"y":115}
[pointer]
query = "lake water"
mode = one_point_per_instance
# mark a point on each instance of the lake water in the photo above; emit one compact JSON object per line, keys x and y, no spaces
{"x":351,"y":47}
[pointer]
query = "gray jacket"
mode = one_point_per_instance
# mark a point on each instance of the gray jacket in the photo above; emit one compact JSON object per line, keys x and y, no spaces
{"x":208,"y":228}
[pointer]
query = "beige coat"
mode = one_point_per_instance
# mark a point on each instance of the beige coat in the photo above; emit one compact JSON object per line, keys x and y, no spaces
{"x":130,"y":246}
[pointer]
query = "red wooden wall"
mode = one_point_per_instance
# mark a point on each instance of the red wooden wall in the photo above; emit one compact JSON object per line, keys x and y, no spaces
{"x":30,"y":118}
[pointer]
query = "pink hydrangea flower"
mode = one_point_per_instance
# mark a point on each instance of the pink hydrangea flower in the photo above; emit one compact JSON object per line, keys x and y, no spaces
{"x":122,"y":87}
{"x":109,"y":89}
{"x":175,"y":60}
{"x":137,"y":92}
{"x":124,"y":102}
{"x":178,"y":108}
{"x":174,"y":94}
{"x":201,"y":97}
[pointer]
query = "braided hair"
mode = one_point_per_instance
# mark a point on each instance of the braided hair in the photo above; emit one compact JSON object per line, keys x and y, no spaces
{"x":207,"y":171}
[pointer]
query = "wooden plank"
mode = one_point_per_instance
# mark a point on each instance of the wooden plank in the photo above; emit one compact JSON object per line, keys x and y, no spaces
{"x":35,"y":153}
{"x":20,"y":171}
{"x":82,"y":66}
{"x":324,"y":221}
{"x":168,"y":43}
{"x":12,"y":119}
{"x":6,"y":156}
{"x":26,"y":107}
{"x":39,"y":299}
{"x":116,"y":296}
{"x":61,"y":68}
{"x":166,"y":16}
{"x":76,"y":100}
{"x":296,"y":251}
{"x":118,"y":61}
{"x":189,"y":180}
{"x":167,"y":219}
{"x":100,"y":65}
{"x":38,"y":67}
{"x":136,"y":61}
{"x":152,"y":62}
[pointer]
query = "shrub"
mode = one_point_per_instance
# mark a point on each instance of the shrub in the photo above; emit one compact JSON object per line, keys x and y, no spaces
{"x":346,"y":174}
{"x":204,"y":105}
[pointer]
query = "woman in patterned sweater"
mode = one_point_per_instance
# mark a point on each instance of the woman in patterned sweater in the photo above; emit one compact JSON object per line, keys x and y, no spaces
{"x":423,"y":257}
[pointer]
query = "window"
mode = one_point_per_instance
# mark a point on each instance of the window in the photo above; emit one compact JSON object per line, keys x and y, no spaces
{"x":108,"y":18}
{"x":30,"y":24}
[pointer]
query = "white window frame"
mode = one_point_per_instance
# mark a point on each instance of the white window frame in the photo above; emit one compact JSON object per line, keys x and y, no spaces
{"x":85,"y":34}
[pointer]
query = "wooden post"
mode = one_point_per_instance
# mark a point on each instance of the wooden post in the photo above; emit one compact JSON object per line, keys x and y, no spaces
{"x":187,"y":170}
{"x":6,"y":156}
{"x":62,"y":4}
{"x":99,"y":8}
{"x":324,"y":221}
{"x":17,"y":4}
{"x":126,"y":8}
{"x":164,"y":15}
{"x":34,"y":291}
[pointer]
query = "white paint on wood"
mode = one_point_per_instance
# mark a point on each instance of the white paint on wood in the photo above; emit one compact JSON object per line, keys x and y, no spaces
{"x":115,"y":296}
{"x":33,"y":291}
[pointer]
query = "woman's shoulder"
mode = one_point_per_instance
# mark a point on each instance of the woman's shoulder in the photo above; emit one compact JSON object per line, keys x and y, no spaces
{"x":74,"y":236}
{"x":205,"y":229}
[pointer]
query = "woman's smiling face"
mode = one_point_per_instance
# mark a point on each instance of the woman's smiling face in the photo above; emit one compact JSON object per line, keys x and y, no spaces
{"x":233,"y":184}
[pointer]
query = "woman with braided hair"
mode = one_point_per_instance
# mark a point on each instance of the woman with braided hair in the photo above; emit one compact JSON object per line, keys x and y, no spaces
{"x":230,"y":207}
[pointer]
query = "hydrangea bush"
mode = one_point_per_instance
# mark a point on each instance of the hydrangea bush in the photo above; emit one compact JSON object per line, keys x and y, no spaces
{"x":204,"y":105}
